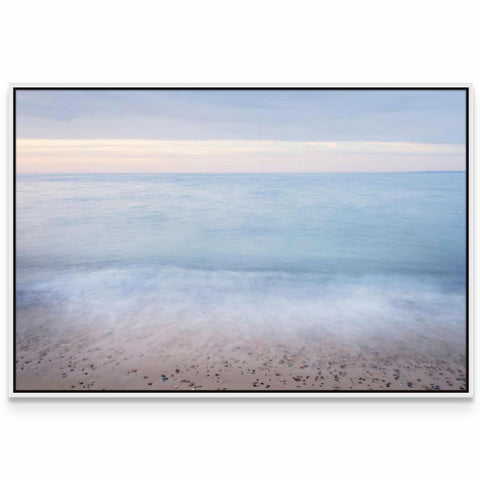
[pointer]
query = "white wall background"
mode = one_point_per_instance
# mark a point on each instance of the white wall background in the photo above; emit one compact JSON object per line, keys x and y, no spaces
{"x":247,"y":41}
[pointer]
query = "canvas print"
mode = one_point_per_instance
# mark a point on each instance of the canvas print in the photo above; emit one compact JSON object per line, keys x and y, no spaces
{"x":241,"y":240}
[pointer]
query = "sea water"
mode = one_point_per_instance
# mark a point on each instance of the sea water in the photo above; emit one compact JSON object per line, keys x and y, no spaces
{"x":254,"y":254}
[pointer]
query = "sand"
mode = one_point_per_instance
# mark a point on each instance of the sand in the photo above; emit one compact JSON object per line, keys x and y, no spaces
{"x":185,"y":361}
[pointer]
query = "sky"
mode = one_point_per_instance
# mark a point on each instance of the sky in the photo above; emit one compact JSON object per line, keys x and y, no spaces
{"x":82,"y":131}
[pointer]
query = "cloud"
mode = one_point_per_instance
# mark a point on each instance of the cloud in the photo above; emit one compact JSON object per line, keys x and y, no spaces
{"x":420,"y":116}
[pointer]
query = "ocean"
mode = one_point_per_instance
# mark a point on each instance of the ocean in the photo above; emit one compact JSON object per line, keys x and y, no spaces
{"x":288,"y":255}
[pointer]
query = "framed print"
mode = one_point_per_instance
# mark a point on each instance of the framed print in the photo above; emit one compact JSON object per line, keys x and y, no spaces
{"x":240,"y":240}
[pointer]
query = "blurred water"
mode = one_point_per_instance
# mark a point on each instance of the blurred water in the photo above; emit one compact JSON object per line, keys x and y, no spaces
{"x":345,"y":252}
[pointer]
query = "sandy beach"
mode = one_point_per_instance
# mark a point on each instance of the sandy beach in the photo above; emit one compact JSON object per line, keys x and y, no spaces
{"x":149,"y":362}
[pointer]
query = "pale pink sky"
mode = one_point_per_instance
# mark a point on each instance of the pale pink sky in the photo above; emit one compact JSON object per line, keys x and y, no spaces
{"x":143,"y":155}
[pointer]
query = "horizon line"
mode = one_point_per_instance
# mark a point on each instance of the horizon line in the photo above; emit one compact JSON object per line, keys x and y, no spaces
{"x":240,"y":173}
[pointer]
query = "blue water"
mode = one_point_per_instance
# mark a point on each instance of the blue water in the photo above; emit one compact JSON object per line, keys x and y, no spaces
{"x":344,"y":252}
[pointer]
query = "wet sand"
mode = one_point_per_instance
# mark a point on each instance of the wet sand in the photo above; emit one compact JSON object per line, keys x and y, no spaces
{"x":183,"y":361}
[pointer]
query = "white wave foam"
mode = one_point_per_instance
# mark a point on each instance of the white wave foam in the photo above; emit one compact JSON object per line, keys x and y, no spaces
{"x":245,"y":304}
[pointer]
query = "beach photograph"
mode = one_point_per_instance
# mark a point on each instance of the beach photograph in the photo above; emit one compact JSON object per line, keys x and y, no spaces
{"x":240,"y":239}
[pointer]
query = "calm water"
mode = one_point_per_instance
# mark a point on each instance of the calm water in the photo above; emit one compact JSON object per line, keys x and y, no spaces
{"x":345,"y":252}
